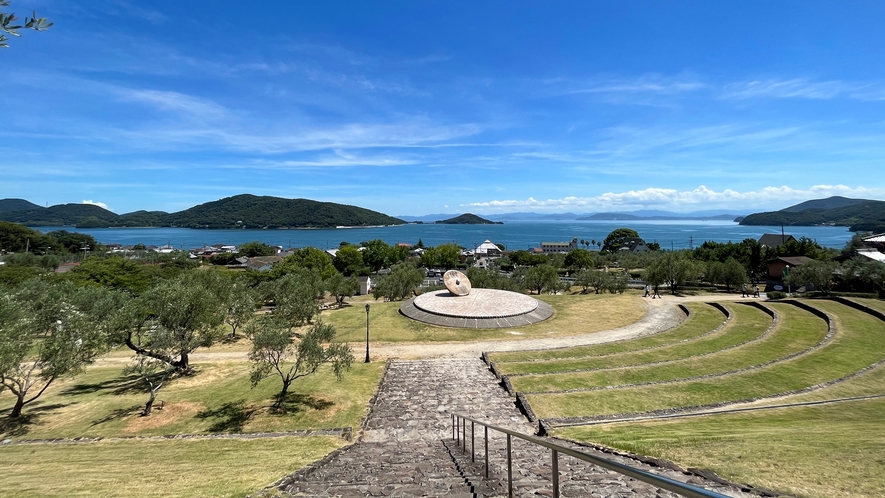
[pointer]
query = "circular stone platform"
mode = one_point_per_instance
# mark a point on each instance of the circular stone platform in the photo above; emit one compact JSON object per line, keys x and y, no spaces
{"x":481,"y":309}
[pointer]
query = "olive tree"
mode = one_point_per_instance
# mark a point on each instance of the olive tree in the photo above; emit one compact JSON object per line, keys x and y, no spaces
{"x":172,"y":319}
{"x":7,"y":24}
{"x":49,"y":331}
{"x":817,"y":273}
{"x":275,"y":351}
{"x":342,"y":287}
{"x":403,"y":279}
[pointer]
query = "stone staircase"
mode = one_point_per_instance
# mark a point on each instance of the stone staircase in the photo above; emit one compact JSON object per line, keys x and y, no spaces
{"x":407,"y":448}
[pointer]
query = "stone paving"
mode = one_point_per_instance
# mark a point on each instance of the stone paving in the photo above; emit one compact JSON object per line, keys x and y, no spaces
{"x":407,"y":448}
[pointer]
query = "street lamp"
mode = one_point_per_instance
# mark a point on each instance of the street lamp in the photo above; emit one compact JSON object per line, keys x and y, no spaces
{"x":367,"y":333}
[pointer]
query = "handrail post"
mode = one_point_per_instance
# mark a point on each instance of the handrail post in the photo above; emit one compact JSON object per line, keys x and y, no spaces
{"x":486,"y":429}
{"x":453,"y":427}
{"x":457,"y":430}
{"x":555,"y":473}
{"x":464,"y":437}
{"x":472,"y":445}
{"x":509,"y":470}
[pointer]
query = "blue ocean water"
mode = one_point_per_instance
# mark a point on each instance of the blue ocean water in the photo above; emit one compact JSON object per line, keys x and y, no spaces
{"x":512,"y":234}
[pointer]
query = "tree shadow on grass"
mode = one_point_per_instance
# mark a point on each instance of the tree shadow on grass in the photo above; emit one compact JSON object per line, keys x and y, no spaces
{"x":297,"y":402}
{"x":31,"y":416}
{"x":118,"y":414}
{"x":124,"y":384}
{"x":231,"y":417}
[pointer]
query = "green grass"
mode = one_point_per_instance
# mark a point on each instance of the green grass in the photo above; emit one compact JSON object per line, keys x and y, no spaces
{"x":876,"y":304}
{"x":746,"y":324}
{"x":835,"y":451}
{"x":703,"y":319}
{"x":858,"y":344}
{"x":103,"y":402}
{"x":575,"y":314}
{"x":168,"y":468}
{"x":789,"y":336}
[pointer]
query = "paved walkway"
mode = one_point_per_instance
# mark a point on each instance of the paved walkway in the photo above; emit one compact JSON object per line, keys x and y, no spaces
{"x":407,"y":448}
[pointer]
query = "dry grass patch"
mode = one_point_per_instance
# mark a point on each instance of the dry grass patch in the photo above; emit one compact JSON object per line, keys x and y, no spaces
{"x":173,"y":468}
{"x":219,"y":398}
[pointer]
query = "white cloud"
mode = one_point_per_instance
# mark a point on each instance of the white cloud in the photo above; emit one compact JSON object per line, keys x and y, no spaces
{"x":803,"y":88}
{"x":96,"y":203}
{"x":701,"y":198}
{"x":189,"y":106}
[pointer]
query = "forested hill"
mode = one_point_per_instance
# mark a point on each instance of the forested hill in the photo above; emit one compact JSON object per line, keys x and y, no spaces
{"x":469,"y":219}
{"x":859,"y":215}
{"x":276,"y":212}
{"x":7,"y":205}
{"x":240,"y":211}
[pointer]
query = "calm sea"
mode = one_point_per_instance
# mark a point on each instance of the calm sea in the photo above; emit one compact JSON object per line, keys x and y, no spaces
{"x":513,"y":234}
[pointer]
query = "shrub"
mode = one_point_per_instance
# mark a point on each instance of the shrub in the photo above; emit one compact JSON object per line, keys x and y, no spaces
{"x":774,"y":295}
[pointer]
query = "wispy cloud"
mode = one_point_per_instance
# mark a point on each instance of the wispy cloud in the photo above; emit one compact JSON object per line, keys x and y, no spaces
{"x":179,"y":103}
{"x":682,"y":200}
{"x":803,"y":88}
{"x":647,"y":90}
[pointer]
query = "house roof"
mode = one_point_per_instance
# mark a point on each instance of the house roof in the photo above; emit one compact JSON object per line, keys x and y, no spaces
{"x":880,"y":237}
{"x":775,"y":239}
{"x":792,"y":260}
{"x":262,"y":261}
{"x":487,"y":246}
{"x":872,"y":254}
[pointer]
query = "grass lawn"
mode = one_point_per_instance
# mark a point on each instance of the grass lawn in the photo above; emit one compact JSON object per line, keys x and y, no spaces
{"x":103,"y":402}
{"x":168,"y":468}
{"x":858,"y":344}
{"x":575,"y":314}
{"x":876,"y":304}
{"x":671,"y":364}
{"x":832,"y":451}
{"x":746,"y":324}
{"x":703,"y":319}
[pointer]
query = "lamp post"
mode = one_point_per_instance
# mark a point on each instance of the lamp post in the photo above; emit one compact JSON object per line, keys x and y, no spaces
{"x":367,"y":333}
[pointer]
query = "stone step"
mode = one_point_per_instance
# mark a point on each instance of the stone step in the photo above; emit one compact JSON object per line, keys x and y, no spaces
{"x":407,"y":447}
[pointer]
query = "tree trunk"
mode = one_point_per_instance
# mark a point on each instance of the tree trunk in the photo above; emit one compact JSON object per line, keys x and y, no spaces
{"x":17,"y":409}
{"x":150,"y":404}
{"x":183,"y":364}
{"x":281,"y":398}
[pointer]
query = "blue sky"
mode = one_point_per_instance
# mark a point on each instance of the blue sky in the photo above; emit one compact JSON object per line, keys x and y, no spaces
{"x":412,"y":108}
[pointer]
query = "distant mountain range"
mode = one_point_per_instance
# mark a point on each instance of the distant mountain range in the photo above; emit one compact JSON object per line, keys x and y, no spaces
{"x":240,"y":211}
{"x":859,"y":215}
{"x":627,"y":216}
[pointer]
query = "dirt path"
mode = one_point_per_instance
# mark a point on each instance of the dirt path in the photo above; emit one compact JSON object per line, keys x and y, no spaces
{"x":662,"y":314}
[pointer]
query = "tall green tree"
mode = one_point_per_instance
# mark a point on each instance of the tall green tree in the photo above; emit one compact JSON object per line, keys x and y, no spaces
{"x":579,"y":259}
{"x":349,"y":261}
{"x":448,"y":255}
{"x":616,"y":239}
{"x":256,"y":248}
{"x":276,"y":352}
{"x":309,"y":258}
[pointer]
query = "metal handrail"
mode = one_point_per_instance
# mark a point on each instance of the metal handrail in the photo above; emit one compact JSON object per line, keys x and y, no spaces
{"x":459,"y":434}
